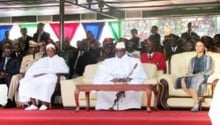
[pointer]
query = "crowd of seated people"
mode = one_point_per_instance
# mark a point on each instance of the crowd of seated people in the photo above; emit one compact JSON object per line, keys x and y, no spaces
{"x":17,"y":57}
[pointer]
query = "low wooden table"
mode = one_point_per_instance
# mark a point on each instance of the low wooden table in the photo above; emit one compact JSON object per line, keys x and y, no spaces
{"x":148,"y":88}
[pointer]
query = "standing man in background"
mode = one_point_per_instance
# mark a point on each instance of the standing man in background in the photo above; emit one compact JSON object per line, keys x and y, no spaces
{"x":189,"y":34}
{"x":41,"y":35}
{"x":24,"y":40}
{"x":135,"y":39}
{"x":156,"y":38}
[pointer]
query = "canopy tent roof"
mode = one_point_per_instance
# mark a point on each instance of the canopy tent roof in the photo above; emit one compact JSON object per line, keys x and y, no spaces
{"x":112,"y":8}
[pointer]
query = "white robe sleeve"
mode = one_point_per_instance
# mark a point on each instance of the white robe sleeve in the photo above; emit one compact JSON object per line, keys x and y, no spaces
{"x":48,"y":65}
{"x":58,"y":65}
{"x":102,"y":75}
{"x":36,"y":68}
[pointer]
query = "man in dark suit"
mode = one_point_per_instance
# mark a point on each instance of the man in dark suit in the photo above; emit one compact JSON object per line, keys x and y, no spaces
{"x":6,"y":42}
{"x":41,"y":35}
{"x":24,"y":39}
{"x":17,"y":50}
{"x":80,"y":59}
{"x":8,"y":67}
{"x":174,"y":48}
{"x":189,"y":34}
{"x":156,"y":38}
{"x":135,"y":39}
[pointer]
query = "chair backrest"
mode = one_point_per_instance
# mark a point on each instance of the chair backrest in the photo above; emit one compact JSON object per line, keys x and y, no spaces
{"x":150,"y":69}
{"x":180,"y":62}
{"x":216,"y":61}
{"x":89,"y":73}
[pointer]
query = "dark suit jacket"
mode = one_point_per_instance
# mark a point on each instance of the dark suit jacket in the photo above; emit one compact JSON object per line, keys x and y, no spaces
{"x":25,"y":42}
{"x":190,"y":36}
{"x":169,"y":52}
{"x":168,"y":39}
{"x":44,"y":37}
{"x":157,"y":42}
{"x":85,"y":59}
{"x":136,"y":41}
{"x":12,"y":68}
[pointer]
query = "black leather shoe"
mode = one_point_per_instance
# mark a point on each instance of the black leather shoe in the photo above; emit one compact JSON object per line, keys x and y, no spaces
{"x":10,"y":104}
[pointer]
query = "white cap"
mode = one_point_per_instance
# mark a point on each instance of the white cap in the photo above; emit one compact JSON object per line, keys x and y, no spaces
{"x":120,"y":45}
{"x":50,"y":45}
{"x":32,"y":43}
{"x":167,"y":31}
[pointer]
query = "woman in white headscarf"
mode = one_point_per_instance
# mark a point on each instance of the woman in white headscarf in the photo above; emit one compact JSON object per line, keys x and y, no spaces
{"x":41,"y":78}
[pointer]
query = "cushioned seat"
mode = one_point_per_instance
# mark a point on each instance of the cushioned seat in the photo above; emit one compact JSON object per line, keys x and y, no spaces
{"x":172,"y":97}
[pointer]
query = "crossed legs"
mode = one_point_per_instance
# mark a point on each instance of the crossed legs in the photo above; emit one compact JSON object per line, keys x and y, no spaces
{"x":192,"y":92}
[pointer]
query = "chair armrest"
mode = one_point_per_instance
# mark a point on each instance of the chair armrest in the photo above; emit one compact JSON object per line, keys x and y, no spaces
{"x":78,"y":80}
{"x":159,"y":73}
{"x":169,"y":78}
{"x":165,"y":82}
{"x":212,"y":78}
{"x":151,"y":81}
{"x":67,"y":90}
{"x":211,"y":81}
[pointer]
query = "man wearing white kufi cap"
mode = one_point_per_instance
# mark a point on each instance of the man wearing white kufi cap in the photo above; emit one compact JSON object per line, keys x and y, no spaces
{"x":40,"y":79}
{"x":116,"y":70}
{"x":32,"y":43}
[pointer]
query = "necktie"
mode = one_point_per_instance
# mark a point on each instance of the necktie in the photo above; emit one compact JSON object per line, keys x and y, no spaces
{"x":149,"y":56}
{"x":17,"y":54}
{"x":77,"y":58}
{"x":24,"y":38}
{"x":39,"y":36}
{"x":6,"y":60}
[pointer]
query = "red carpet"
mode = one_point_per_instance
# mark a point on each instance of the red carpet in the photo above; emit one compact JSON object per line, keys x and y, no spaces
{"x":70,"y":117}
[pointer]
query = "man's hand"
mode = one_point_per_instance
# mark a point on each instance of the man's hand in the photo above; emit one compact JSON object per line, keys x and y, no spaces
{"x":121,"y":80}
{"x":115,"y":80}
{"x":39,"y":75}
{"x":190,"y":74}
{"x":3,"y":74}
{"x":22,"y":74}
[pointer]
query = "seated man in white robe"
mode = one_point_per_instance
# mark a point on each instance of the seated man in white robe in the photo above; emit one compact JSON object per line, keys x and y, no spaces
{"x":40,"y":79}
{"x":214,"y":111}
{"x":117,"y":70}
